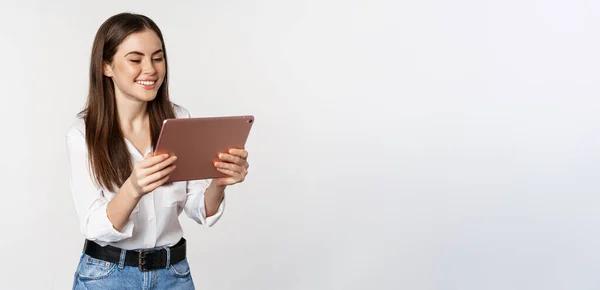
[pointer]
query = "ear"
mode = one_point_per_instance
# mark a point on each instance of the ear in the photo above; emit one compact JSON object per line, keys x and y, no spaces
{"x":107,"y":69}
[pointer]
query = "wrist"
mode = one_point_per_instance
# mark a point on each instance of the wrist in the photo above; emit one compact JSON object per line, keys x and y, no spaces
{"x":130,"y":190}
{"x":216,"y":187}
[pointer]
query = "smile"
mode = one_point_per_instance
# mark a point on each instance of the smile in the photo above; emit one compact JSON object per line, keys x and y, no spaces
{"x":146,"y":83}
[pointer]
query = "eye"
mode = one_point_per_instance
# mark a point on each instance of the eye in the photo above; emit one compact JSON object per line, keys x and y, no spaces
{"x":135,"y":60}
{"x":158,"y":59}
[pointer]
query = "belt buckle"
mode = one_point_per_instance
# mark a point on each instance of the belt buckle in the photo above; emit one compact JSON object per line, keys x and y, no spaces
{"x":142,"y":261}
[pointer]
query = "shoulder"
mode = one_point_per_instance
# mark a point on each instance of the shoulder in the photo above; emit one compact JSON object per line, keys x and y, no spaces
{"x":75,"y":135}
{"x":181,"y":112}
{"x":76,"y":129}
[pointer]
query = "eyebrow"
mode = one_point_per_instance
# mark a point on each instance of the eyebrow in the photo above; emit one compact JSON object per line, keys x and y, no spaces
{"x":139,"y":53}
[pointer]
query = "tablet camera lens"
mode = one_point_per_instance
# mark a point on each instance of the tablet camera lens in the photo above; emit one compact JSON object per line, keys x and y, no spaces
{"x":249,"y":121}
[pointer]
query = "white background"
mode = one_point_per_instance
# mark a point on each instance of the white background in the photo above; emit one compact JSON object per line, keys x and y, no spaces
{"x":397,"y":145}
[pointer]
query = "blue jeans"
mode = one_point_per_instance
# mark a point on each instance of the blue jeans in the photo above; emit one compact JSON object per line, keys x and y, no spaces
{"x":98,"y":274}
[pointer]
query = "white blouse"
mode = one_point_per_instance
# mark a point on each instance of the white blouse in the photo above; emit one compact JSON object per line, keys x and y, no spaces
{"x":155,"y":220}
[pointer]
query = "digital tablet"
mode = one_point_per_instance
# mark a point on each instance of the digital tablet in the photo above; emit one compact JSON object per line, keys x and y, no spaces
{"x":197,"y":142}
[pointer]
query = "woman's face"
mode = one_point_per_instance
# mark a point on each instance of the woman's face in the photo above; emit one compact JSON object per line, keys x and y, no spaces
{"x":138,"y":67}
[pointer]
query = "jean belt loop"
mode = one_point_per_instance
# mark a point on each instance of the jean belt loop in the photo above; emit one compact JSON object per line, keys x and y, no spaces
{"x":122,"y":258}
{"x":168,"y":256}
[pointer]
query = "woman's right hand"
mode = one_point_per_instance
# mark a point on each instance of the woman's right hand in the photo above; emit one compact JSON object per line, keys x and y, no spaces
{"x":151,"y":173}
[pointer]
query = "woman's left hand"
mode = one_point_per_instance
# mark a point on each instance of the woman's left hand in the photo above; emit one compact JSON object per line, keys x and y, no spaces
{"x":233,"y":164}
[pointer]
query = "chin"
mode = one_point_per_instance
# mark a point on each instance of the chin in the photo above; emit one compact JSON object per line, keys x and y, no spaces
{"x":147,"y":95}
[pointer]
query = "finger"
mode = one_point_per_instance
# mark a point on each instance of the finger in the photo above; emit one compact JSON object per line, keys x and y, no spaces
{"x":242,"y":153}
{"x":159,"y":166}
{"x":152,"y":160}
{"x":230,"y":166}
{"x":233,"y":176}
{"x":158,"y":183}
{"x":157,"y":176}
{"x":233,"y":159}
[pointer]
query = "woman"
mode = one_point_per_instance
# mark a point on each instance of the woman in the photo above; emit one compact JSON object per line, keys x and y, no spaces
{"x":128,"y":212}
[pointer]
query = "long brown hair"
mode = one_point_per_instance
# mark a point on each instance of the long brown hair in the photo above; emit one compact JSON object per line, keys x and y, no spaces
{"x":109,"y":158}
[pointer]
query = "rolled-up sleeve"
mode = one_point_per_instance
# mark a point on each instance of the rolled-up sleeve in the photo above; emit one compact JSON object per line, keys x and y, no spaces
{"x":90,"y":202}
{"x":194,"y":205}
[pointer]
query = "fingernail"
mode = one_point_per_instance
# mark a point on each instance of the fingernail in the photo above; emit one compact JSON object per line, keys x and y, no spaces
{"x":165,"y":155}
{"x":174,"y":158}
{"x":221,"y":155}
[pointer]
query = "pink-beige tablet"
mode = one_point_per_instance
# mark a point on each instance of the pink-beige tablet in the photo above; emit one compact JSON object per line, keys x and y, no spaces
{"x":197,"y":142}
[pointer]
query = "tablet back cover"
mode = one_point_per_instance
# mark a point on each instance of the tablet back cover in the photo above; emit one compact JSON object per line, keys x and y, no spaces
{"x":197,"y":142}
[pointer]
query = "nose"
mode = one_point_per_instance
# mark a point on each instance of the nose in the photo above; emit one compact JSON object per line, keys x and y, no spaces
{"x":148,"y":67}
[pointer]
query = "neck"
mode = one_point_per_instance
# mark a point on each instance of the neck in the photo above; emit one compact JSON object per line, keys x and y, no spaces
{"x":133,"y":113}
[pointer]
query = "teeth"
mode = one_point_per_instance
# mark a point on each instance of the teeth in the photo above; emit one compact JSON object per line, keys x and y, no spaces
{"x":147,"y":83}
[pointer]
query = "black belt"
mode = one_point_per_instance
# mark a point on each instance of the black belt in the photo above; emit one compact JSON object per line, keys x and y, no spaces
{"x":145,"y":260}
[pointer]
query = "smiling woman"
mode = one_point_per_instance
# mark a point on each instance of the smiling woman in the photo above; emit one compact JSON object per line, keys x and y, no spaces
{"x":129,"y":229}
